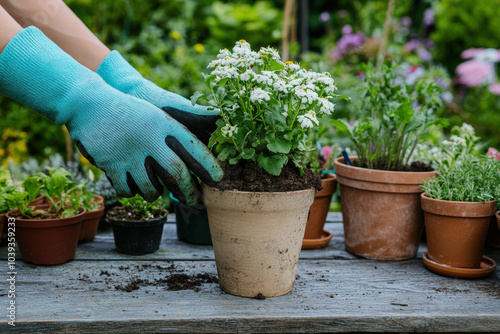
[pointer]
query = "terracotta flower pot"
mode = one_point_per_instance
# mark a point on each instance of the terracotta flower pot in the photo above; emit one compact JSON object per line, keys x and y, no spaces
{"x":3,"y":232}
{"x":47,"y":241}
{"x":456,"y":231}
{"x":314,"y":236}
{"x":90,"y":224}
{"x":257,"y":237}
{"x":381,"y":211}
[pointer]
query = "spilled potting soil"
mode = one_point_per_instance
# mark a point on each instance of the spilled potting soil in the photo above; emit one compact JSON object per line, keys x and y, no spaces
{"x":174,"y":280}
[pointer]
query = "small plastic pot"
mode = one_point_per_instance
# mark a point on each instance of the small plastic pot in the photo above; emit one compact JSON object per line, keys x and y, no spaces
{"x":192,"y":223}
{"x":137,"y":237}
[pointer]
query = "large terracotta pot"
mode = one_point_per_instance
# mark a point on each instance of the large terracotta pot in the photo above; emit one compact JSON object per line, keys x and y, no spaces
{"x":315,"y":236}
{"x":456,"y":231}
{"x":47,"y":241}
{"x":381,"y":211}
{"x":257,"y":237}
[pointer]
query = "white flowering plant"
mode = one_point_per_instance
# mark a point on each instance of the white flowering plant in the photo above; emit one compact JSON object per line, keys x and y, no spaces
{"x":267,"y":106}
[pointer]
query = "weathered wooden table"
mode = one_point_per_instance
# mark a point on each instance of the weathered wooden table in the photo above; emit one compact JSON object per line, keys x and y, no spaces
{"x":334,"y":292}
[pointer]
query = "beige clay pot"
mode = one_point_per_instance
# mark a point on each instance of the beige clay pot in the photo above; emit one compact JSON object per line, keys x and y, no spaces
{"x":381,"y":211}
{"x":257,"y":238}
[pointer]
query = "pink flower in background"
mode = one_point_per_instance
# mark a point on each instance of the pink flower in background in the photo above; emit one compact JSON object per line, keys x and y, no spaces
{"x":327,"y":151}
{"x":494,"y":88}
{"x":492,"y":152}
{"x":471,"y":53}
{"x":473,"y":73}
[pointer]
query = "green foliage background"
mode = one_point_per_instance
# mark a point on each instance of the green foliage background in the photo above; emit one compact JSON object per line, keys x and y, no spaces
{"x":171,"y":41}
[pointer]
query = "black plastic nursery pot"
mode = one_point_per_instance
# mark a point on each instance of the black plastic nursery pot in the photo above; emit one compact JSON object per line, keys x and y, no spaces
{"x":192,"y":223}
{"x":137,"y":237}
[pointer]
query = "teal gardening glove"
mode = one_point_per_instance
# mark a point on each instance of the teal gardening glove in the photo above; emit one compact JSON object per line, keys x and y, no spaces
{"x":134,"y":142}
{"x":118,"y":73}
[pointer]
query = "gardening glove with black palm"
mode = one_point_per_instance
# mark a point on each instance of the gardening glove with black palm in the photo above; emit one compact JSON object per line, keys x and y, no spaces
{"x":118,"y":73}
{"x":133,"y":141}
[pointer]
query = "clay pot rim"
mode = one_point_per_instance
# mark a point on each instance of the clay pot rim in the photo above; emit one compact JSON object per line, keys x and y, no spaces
{"x":447,"y":210}
{"x":261,"y":192}
{"x":379,"y":176}
{"x":44,"y":206}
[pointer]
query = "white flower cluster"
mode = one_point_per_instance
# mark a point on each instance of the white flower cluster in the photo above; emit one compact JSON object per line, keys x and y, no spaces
{"x":262,"y":77}
{"x":229,"y":131}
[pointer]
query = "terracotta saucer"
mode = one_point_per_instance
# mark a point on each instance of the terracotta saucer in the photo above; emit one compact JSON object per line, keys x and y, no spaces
{"x":487,"y":268}
{"x":317,"y":243}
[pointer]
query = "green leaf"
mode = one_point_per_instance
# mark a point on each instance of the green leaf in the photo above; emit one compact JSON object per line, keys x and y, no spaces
{"x":274,"y":66}
{"x":222,"y":82}
{"x":32,"y":188}
{"x":278,"y":145}
{"x":226,"y":152}
{"x":212,"y":141}
{"x":196,"y":96}
{"x":209,"y":80}
{"x":272,"y":164}
{"x":248,"y":153}
{"x":341,"y":125}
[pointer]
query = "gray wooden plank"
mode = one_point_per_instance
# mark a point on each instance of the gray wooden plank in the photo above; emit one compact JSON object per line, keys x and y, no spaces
{"x":366,"y":298}
{"x":103,"y":247}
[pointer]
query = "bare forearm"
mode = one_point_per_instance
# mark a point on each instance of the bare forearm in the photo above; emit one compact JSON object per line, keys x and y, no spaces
{"x":8,"y":28}
{"x":62,"y":26}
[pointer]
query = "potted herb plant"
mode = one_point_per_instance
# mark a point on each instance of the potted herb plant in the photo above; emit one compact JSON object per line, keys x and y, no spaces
{"x":321,"y":162}
{"x":380,"y":187}
{"x":47,"y":234}
{"x":94,"y":207}
{"x":137,"y":225}
{"x":458,"y":206}
{"x":258,"y":212}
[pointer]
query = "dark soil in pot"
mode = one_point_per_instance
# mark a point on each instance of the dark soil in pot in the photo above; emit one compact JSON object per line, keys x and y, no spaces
{"x":248,"y":176}
{"x":135,"y":234}
{"x":415,"y":166}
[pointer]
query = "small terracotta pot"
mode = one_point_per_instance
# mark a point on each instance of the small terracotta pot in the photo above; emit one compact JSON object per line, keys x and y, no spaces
{"x":456,"y":231}
{"x":47,"y":241}
{"x":381,"y":211}
{"x":3,"y":232}
{"x":90,"y":224}
{"x":257,"y":237}
{"x":319,"y":211}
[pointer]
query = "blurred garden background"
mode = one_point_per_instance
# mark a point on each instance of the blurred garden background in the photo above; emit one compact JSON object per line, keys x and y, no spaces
{"x":454,"y":42}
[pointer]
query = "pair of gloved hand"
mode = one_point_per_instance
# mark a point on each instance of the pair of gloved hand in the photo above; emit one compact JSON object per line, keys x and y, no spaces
{"x":114,"y":116}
